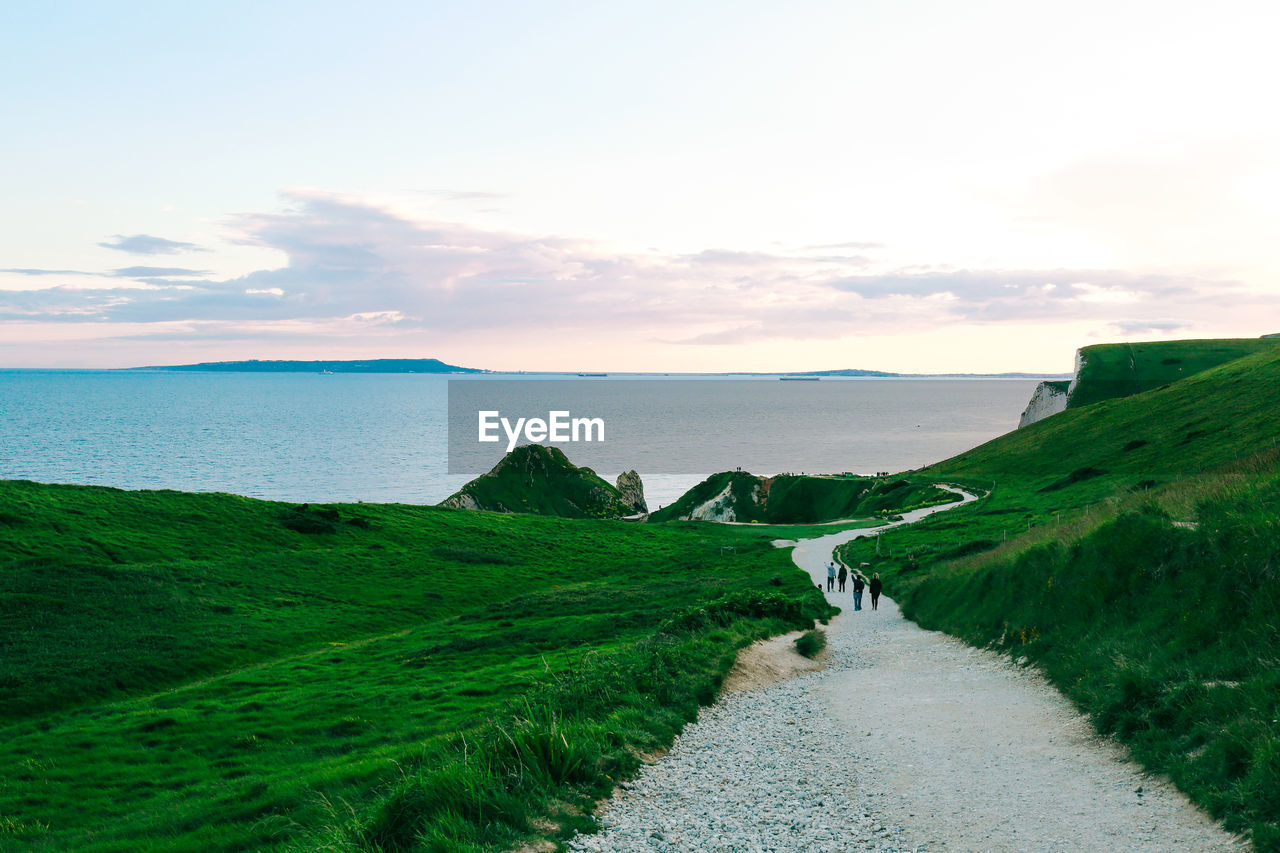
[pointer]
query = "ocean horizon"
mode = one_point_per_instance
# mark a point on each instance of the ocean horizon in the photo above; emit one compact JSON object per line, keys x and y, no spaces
{"x":318,"y":438}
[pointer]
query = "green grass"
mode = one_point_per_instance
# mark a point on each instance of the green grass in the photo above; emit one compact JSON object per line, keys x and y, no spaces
{"x":207,"y":672}
{"x":803,"y":531}
{"x":1118,"y":370}
{"x":810,"y":643}
{"x":1131,"y":550}
{"x":537,"y":479}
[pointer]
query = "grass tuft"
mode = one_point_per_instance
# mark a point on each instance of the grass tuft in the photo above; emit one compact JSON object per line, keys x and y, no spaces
{"x":810,"y":643}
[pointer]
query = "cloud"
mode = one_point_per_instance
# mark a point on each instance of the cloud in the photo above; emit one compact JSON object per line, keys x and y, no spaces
{"x":1027,"y":295}
{"x":352,"y":267}
{"x":1148,"y":327}
{"x":859,"y":245}
{"x":462,"y":195}
{"x":1184,"y":205}
{"x":145,"y":244}
{"x":144,"y":273}
{"x":45,"y":272}
{"x":158,"y":272}
{"x":736,"y":335}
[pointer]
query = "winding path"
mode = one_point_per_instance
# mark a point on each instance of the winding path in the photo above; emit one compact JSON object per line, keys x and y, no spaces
{"x":907,"y":741}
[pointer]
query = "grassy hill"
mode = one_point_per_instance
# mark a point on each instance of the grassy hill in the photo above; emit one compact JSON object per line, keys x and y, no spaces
{"x":205,"y":672}
{"x":541,"y":480}
{"x":797,"y":499}
{"x":1131,"y":550}
{"x":1108,"y":371}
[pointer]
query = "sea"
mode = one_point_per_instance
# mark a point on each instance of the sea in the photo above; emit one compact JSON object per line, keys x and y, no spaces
{"x":319,"y":438}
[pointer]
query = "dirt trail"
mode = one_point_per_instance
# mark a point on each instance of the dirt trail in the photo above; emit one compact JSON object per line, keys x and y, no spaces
{"x":907,"y":740}
{"x":964,"y":750}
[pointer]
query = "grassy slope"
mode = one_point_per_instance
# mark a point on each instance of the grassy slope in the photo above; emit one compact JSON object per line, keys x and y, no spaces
{"x":1118,"y":370}
{"x":1167,"y":634}
{"x":1208,"y":419}
{"x":541,"y":480}
{"x":795,"y":499}
{"x":740,"y":484}
{"x":192,"y":672}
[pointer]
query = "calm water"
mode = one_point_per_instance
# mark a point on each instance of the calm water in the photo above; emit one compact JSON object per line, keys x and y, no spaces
{"x":382,"y":438}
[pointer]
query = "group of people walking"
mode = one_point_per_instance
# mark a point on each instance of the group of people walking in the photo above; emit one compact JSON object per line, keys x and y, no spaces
{"x":860,"y":583}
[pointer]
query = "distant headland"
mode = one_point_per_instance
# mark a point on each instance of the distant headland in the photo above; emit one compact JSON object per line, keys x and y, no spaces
{"x":433,"y":365}
{"x":374,"y":365}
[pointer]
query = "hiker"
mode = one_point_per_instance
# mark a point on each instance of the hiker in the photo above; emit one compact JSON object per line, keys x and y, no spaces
{"x":831,"y":576}
{"x":859,"y":584}
{"x":844,"y":573}
{"x":876,"y":585}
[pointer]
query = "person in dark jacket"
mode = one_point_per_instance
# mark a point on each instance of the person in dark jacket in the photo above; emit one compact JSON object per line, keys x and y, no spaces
{"x":876,"y":585}
{"x":859,"y":584}
{"x":844,"y":573}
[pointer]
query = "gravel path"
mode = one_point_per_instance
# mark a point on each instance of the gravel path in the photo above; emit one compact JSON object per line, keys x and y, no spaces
{"x":907,"y":741}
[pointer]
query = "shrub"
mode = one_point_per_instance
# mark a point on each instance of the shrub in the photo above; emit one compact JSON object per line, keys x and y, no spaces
{"x":543,"y":744}
{"x":1077,"y":476}
{"x":751,"y":603}
{"x":811,"y":642}
{"x":305,"y":519}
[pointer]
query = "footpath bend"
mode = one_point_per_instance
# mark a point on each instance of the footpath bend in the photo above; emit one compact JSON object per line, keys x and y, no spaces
{"x":907,"y":740}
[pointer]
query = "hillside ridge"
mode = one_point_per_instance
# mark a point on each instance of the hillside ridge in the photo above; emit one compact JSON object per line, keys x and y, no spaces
{"x":538,"y":479}
{"x":1111,"y":371}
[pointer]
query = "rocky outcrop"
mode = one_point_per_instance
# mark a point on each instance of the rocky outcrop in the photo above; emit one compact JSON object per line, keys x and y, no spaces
{"x":631,"y":490}
{"x":721,"y":507}
{"x":796,"y":499}
{"x":541,"y":480}
{"x":1081,"y":361}
{"x":1050,"y":397}
{"x":461,"y":500}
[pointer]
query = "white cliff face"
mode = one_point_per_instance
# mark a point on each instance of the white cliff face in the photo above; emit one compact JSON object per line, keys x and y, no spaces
{"x":1075,"y":380}
{"x":721,"y":507}
{"x":1049,"y":399}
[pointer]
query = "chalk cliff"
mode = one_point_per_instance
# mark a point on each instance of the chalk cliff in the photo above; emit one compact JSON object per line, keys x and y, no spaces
{"x":796,"y":499}
{"x":1050,"y":397}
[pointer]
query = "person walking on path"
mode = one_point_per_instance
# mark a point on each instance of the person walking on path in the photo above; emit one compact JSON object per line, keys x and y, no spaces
{"x":844,"y":573}
{"x":859,"y":584}
{"x":876,"y":585}
{"x":831,"y":576}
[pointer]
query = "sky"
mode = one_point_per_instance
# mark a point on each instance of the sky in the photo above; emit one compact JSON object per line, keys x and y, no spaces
{"x":661,"y":186}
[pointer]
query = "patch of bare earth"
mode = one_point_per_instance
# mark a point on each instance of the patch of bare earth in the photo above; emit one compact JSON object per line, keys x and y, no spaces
{"x":767,"y":662}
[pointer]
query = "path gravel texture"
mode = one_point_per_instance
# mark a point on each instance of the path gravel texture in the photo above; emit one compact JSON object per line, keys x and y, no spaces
{"x":907,"y":741}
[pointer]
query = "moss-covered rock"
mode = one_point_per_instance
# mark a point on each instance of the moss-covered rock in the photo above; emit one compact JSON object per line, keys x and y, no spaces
{"x":541,"y":480}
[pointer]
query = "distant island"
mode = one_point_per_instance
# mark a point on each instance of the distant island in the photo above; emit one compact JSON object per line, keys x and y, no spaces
{"x":433,"y":365}
{"x":375,"y":365}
